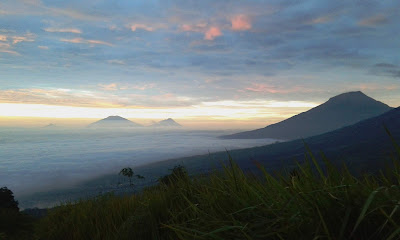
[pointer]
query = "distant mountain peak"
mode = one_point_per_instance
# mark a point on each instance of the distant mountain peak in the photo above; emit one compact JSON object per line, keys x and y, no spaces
{"x":166,"y":123}
{"x":351,"y":95}
{"x":115,"y":118}
{"x":114,"y":122}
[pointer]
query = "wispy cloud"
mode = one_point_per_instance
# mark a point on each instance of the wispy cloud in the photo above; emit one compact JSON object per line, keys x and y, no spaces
{"x":109,"y":87}
{"x":210,"y":32}
{"x":85,"y":41}
{"x":373,"y":21}
{"x":385,"y":69}
{"x":28,"y":37}
{"x":150,"y":27}
{"x":267,"y":88}
{"x":240,"y":23}
{"x":44,"y":47}
{"x":9,"y":40}
{"x":63,"y":30}
{"x":62,"y":97}
{"x":116,"y":86}
{"x":116,"y":61}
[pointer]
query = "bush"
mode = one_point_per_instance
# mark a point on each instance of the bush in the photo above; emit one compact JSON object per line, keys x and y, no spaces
{"x":178,"y":173}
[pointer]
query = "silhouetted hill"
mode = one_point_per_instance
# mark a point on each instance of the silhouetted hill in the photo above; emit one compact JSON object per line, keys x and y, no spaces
{"x":51,"y":125}
{"x":364,"y":146}
{"x":166,"y":123}
{"x":114,"y":122}
{"x":339,"y":111}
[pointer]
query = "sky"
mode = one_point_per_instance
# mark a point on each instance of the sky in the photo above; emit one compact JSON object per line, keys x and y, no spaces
{"x":203,"y":63}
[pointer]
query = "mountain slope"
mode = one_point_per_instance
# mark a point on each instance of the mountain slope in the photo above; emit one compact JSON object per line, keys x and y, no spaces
{"x":339,"y":111}
{"x":166,"y":123}
{"x":364,"y":146}
{"x":114,"y":122}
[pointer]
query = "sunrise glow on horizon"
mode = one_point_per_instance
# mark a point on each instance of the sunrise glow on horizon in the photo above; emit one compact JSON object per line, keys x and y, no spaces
{"x":210,"y":61}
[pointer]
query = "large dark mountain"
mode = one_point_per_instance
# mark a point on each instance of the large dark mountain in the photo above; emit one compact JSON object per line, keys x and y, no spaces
{"x":114,"y":122}
{"x":364,"y":146}
{"x":166,"y":123}
{"x":339,"y":111}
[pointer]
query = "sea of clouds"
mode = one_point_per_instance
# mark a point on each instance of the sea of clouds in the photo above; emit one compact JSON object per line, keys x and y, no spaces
{"x":33,"y":160}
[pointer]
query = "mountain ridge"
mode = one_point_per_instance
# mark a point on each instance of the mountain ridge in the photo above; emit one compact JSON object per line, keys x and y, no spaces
{"x":364,"y":146}
{"x":339,"y":111}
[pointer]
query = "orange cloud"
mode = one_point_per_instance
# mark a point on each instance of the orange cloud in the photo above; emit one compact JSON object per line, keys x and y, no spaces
{"x":109,"y":87}
{"x":29,"y":37}
{"x":240,"y":23}
{"x":85,"y":41}
{"x":212,"y":33}
{"x":63,"y":30}
{"x":3,"y":38}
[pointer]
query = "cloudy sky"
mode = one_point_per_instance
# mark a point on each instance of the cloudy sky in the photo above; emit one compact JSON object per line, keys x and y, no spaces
{"x":228,"y":62}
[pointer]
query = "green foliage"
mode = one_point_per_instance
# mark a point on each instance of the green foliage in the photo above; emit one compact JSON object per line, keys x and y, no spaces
{"x":311,"y":202}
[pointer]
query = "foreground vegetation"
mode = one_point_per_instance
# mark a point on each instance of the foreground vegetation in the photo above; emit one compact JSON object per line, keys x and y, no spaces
{"x":309,"y":202}
{"x":312,"y":201}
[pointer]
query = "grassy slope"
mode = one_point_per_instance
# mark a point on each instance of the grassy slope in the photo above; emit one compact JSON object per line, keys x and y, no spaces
{"x":306,"y":204}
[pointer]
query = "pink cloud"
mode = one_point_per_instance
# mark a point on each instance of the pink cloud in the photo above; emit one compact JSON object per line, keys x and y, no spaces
{"x":212,"y":33}
{"x":187,"y":28}
{"x":63,"y":30}
{"x":85,"y":41}
{"x":240,"y":23}
{"x":3,"y":38}
{"x":262,"y":88}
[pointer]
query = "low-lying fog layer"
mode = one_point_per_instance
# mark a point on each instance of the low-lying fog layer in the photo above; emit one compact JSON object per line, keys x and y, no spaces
{"x":39,"y":160}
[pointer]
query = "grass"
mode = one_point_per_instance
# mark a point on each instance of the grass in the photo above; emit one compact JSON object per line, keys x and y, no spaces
{"x":310,"y":202}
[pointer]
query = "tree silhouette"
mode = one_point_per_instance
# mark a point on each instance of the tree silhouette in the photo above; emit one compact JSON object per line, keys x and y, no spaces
{"x":7,"y":199}
{"x":128,"y":172}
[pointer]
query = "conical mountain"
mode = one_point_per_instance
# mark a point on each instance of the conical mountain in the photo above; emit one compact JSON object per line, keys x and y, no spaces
{"x":166,"y":123}
{"x":114,"y":122}
{"x":339,"y":111}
